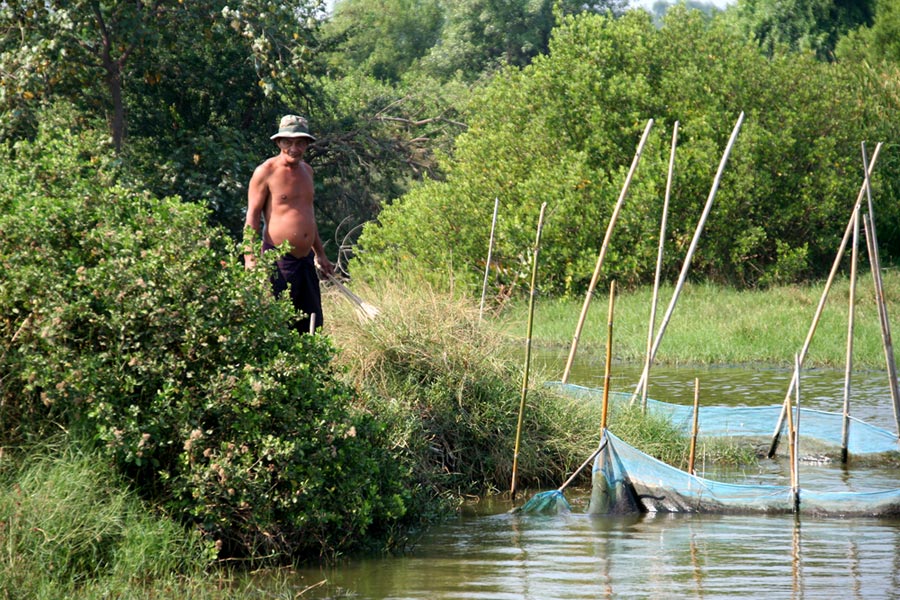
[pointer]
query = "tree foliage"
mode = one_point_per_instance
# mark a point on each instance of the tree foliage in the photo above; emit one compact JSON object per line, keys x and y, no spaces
{"x":565,"y":129}
{"x":877,"y":44}
{"x":807,"y":25}
{"x":446,"y":40}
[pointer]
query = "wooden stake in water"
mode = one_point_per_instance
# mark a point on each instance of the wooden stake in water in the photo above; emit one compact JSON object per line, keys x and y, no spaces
{"x":487,"y":266}
{"x":796,"y":442}
{"x":792,"y":446}
{"x":534,"y":263}
{"x":694,"y":427}
{"x":815,"y":322}
{"x":603,"y":247}
{"x":851,"y":313}
{"x":606,"y":373}
{"x":659,"y":258}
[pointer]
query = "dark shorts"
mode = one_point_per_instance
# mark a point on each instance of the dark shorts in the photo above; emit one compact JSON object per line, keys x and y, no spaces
{"x":300,"y":276}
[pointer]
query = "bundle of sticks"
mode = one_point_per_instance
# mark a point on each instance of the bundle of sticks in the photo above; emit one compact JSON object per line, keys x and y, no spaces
{"x":363,"y":308}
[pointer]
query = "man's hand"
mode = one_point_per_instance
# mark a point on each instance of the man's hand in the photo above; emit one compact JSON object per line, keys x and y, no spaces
{"x":324,"y":265}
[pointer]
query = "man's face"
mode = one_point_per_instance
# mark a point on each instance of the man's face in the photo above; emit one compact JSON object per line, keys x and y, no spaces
{"x":293,"y":147}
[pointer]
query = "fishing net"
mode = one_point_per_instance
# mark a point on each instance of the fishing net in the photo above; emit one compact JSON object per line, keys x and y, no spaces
{"x":754,"y":422}
{"x":552,"y":502}
{"x":625,"y":480}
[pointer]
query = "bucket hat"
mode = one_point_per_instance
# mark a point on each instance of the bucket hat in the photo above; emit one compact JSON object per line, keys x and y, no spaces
{"x":292,"y":126}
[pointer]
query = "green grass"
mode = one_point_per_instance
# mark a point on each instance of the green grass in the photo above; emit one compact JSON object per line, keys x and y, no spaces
{"x":716,"y":325}
{"x":70,"y":528}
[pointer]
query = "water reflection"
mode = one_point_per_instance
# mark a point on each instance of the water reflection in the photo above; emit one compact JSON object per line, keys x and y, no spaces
{"x":488,"y":553}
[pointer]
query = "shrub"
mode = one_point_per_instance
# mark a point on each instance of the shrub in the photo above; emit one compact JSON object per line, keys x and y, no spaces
{"x":130,"y":322}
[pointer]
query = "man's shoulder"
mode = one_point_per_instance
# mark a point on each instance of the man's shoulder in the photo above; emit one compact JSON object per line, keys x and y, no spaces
{"x":266,"y":166}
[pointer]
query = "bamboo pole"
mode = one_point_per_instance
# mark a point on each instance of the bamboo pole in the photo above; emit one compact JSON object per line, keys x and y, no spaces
{"x":792,"y":448}
{"x":659,"y":259}
{"x":603,"y":248}
{"x":875,"y":260}
{"x":694,"y":427}
{"x":796,"y":442}
{"x":537,"y":243}
{"x":487,"y":266}
{"x":851,"y":314}
{"x":815,"y":322}
{"x":604,"y":415}
{"x":690,"y":253}
{"x":882,"y":313}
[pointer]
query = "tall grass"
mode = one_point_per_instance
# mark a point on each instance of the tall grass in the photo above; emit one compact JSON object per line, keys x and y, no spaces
{"x":69,"y":527}
{"x":714,"y":324}
{"x":450,"y":388}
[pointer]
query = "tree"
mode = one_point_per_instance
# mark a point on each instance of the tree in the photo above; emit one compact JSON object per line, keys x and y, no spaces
{"x":806,"y":25}
{"x":480,"y":35}
{"x":878,"y":43}
{"x":81,"y":47}
{"x":382,"y":39}
{"x":564,"y":131}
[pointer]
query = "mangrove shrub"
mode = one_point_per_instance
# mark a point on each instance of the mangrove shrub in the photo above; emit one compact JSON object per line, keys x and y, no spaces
{"x":129,"y":323}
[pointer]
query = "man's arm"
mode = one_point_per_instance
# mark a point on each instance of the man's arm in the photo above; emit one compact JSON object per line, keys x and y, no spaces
{"x":321,"y":259}
{"x":257,"y":194}
{"x":318,"y":247}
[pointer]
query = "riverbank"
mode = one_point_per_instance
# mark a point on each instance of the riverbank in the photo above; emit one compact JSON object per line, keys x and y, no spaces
{"x":716,"y":325}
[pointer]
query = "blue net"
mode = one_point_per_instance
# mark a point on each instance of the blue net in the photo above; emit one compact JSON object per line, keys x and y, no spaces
{"x":755,"y":422}
{"x":626,"y":480}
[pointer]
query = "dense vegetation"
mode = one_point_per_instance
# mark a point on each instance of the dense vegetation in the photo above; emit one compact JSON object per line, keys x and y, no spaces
{"x":564,"y":130}
{"x":137,"y":344}
{"x":130,"y":325}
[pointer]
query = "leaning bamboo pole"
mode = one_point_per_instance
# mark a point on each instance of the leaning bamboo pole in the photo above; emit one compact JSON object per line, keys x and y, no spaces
{"x":815,"y":322}
{"x":487,"y":266}
{"x":534,"y":263}
{"x":882,"y":314}
{"x":875,"y":260}
{"x":603,"y":248}
{"x":659,"y":259}
{"x":851,"y":314}
{"x":690,"y":254}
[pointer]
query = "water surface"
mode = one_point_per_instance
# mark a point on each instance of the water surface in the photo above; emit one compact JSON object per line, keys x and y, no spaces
{"x":488,"y":553}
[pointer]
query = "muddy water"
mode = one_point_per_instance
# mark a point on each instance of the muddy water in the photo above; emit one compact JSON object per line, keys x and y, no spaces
{"x":488,"y":553}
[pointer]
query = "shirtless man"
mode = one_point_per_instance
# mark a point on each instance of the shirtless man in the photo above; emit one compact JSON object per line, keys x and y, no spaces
{"x":281,"y":193}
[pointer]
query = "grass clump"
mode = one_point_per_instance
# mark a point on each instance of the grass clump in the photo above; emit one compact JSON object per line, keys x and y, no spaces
{"x":70,"y":526}
{"x":450,"y":390}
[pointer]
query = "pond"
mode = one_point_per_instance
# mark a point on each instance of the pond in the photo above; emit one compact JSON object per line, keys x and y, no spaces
{"x":489,"y":553}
